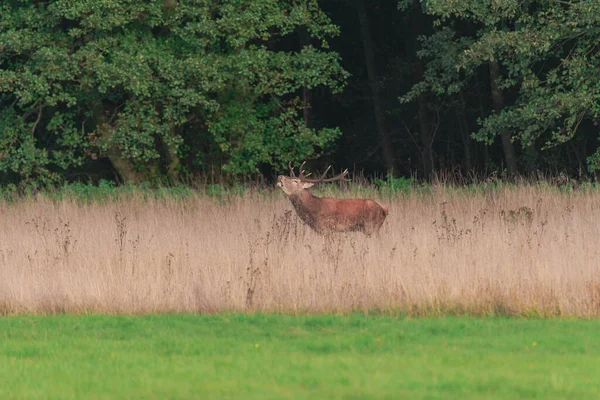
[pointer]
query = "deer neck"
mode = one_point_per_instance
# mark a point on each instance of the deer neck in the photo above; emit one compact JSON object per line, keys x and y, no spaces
{"x":307,"y":206}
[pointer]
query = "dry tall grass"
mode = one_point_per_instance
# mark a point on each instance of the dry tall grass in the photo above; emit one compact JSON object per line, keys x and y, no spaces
{"x":510,"y":251}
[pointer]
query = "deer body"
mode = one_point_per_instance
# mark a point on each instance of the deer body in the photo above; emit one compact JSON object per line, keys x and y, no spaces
{"x":329,"y":214}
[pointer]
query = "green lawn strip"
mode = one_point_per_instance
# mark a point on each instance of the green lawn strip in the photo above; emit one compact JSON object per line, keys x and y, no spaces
{"x":274,"y":356}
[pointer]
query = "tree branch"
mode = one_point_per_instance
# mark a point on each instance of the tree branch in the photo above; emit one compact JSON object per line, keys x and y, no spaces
{"x":37,"y":121}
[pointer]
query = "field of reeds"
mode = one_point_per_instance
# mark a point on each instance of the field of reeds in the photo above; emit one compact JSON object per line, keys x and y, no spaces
{"x":506,"y":250}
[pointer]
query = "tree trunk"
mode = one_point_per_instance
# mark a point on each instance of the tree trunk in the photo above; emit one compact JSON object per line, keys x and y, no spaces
{"x":304,"y":39}
{"x":426,"y":137}
{"x":498,"y":102}
{"x":123,"y":166}
{"x":384,"y":135}
{"x":168,"y":7}
{"x":125,"y":169}
{"x":463,"y":126}
{"x":173,"y":160}
{"x":422,"y":114}
{"x":482,"y":115}
{"x":306,"y":101}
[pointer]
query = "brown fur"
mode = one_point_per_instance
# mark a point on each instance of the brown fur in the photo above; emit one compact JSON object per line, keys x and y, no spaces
{"x":333,"y":215}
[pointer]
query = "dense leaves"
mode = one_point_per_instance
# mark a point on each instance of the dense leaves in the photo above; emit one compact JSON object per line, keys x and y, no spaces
{"x":549,"y":53}
{"x":145,"y":82}
{"x":134,"y":90}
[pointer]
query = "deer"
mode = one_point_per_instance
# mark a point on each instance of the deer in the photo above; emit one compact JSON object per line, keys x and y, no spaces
{"x":326,"y":215}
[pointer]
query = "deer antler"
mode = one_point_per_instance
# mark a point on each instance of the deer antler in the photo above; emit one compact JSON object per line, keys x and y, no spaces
{"x":302,"y":175}
{"x":339,"y":177}
{"x":292,"y":174}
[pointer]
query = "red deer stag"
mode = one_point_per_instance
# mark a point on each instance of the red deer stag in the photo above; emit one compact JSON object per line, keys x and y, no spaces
{"x":327,"y":214}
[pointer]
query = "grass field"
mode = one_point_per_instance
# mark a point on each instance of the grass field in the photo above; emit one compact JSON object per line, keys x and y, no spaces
{"x":518,"y":250}
{"x":272,"y":357}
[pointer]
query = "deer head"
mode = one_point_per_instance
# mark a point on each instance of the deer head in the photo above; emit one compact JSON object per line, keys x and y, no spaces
{"x":294,"y":185}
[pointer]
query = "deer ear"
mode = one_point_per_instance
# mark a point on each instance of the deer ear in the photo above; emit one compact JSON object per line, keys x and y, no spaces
{"x":306,"y":185}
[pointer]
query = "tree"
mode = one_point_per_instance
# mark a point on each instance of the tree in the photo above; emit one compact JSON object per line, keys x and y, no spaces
{"x":146,"y":83}
{"x":386,"y":142}
{"x":499,"y":105}
{"x":543,"y":52}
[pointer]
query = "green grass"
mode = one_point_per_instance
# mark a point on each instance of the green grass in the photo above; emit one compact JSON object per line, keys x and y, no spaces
{"x":361,"y":187}
{"x":271,"y":356}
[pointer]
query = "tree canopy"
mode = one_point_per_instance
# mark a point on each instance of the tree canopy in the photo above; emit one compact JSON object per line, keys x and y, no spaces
{"x":140,"y":90}
{"x":140,"y":82}
{"x":549,"y":54}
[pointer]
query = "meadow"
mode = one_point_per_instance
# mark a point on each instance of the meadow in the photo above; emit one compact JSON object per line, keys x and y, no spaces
{"x":524,"y":250}
{"x":258,"y":356}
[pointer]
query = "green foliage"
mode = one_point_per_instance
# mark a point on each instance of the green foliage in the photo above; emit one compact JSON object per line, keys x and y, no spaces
{"x":548,"y":51}
{"x":249,"y":136}
{"x":135,"y":80}
{"x":391,"y":185}
{"x":109,"y":191}
{"x":444,"y":51}
{"x":306,"y":357}
{"x":225,"y":192}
